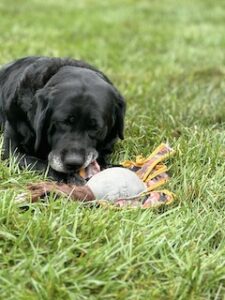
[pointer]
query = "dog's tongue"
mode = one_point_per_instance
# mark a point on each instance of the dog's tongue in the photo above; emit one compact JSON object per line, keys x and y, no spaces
{"x":90,"y":170}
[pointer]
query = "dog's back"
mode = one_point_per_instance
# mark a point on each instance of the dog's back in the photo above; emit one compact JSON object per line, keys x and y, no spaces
{"x":9,"y":76}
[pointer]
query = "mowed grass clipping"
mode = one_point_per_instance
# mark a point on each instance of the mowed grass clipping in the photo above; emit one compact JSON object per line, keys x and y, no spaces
{"x":167,"y":58}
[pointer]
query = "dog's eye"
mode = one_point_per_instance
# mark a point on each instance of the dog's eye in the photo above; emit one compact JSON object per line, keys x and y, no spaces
{"x":93,"y":128}
{"x":70,"y":120}
{"x":93,"y":124}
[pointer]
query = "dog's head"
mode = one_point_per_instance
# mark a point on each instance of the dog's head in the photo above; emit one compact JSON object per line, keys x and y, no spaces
{"x":77,"y":113}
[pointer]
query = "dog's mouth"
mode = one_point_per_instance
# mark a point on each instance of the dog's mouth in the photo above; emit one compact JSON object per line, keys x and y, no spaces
{"x":89,"y":171}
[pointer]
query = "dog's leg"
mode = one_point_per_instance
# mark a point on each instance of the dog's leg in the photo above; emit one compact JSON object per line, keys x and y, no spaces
{"x":75,"y":179}
{"x":11,"y":147}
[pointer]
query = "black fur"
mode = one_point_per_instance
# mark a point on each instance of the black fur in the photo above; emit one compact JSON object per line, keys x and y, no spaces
{"x":61,"y":104}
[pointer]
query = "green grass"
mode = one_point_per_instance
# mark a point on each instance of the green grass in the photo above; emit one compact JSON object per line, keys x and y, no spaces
{"x":167,"y":58}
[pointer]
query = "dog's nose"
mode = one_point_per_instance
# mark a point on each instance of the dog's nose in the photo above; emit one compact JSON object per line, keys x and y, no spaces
{"x":73,"y":161}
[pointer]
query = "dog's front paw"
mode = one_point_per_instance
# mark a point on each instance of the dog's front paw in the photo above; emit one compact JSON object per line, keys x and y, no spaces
{"x":75,"y":179}
{"x":56,"y":176}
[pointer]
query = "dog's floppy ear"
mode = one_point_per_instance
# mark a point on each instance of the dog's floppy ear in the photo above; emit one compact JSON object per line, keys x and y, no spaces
{"x":120,"y":115}
{"x":42,"y":115}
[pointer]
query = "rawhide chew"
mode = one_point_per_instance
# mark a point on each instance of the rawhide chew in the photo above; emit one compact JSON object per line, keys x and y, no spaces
{"x":131,"y":186}
{"x":82,"y":193}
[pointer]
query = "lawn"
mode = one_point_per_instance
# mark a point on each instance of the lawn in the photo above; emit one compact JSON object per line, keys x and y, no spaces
{"x":167,"y":58}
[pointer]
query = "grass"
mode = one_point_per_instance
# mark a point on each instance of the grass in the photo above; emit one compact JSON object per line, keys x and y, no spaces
{"x":167,"y":58}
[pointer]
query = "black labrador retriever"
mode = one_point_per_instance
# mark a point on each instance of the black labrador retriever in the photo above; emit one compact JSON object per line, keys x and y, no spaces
{"x":58,"y":114}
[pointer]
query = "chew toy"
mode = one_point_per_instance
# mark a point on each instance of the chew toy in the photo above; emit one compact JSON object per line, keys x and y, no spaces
{"x":132,"y":185}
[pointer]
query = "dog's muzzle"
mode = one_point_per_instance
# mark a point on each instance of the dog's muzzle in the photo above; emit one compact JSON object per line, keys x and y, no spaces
{"x":72,"y":161}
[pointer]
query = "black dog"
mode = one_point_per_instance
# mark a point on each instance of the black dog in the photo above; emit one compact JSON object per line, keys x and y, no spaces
{"x":58,"y":112}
